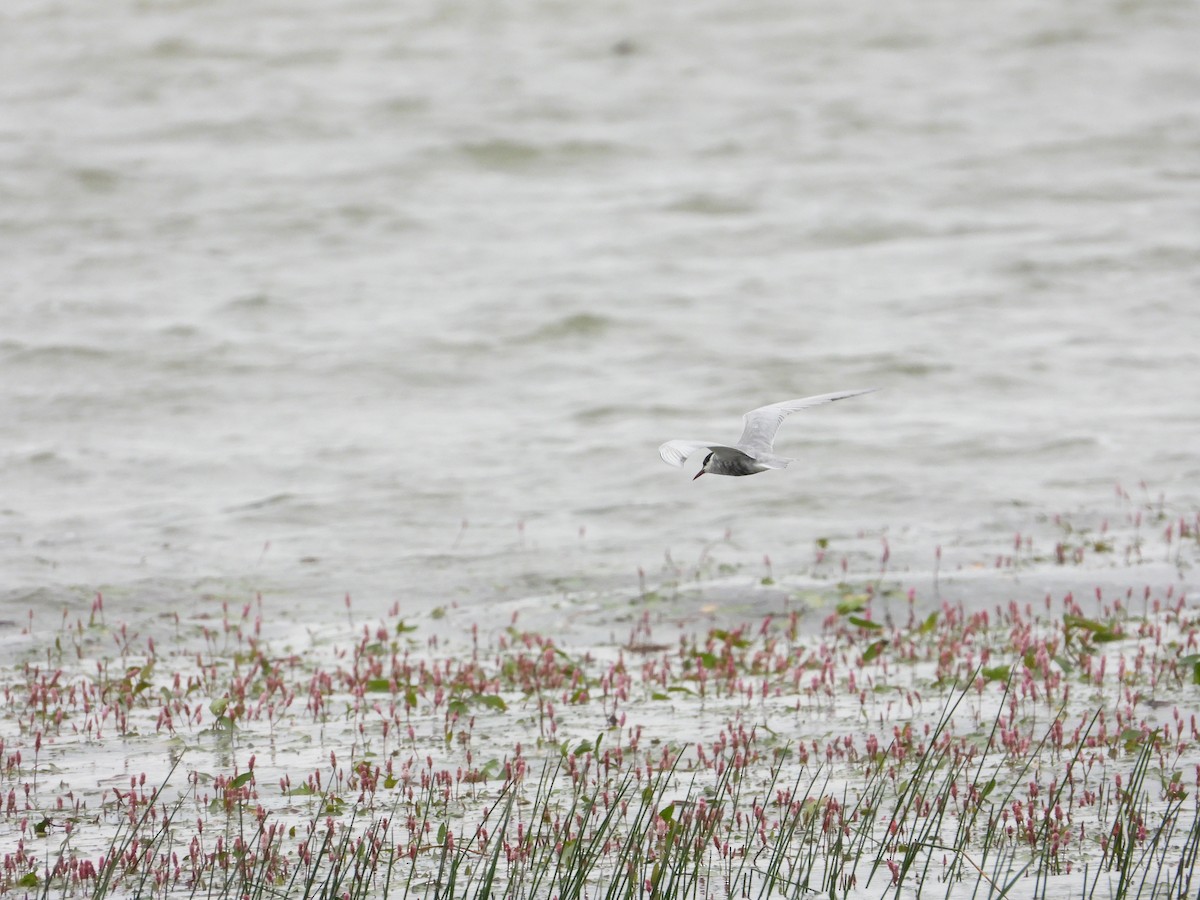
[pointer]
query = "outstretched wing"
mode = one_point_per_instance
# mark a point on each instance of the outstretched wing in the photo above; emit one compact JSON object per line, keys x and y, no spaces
{"x":676,"y":452}
{"x":758,"y":435}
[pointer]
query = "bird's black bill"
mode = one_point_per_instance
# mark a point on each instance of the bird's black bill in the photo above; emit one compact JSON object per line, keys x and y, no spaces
{"x":697,"y":475}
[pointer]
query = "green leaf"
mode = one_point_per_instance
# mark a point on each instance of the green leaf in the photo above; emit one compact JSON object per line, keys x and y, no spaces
{"x":29,"y":879}
{"x":731,"y":637}
{"x":852,"y":603}
{"x":1131,"y":738}
{"x":492,"y":701}
{"x":240,"y":780}
{"x":996,"y":673}
{"x":929,"y":624}
{"x":402,"y":627}
{"x":874,"y":650}
{"x":860,"y":622}
{"x":218,"y":706}
{"x":1102,"y":632}
{"x":667,"y":813}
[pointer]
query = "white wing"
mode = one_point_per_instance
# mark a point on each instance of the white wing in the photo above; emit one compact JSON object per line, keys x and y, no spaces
{"x":676,"y":452}
{"x":758,"y":435}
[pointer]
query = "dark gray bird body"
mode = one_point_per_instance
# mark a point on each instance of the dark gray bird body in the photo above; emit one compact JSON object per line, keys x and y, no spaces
{"x":730,"y":461}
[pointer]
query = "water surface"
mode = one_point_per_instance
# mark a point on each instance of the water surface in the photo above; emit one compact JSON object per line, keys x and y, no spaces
{"x":400,"y":301}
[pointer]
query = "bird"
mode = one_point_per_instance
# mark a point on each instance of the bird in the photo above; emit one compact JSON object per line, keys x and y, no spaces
{"x":754,"y":451}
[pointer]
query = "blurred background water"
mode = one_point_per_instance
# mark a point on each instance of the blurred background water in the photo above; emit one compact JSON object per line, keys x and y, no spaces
{"x":400,"y":299}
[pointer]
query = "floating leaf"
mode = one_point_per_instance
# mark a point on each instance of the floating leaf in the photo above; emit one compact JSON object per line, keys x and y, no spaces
{"x":492,"y":701}
{"x":1131,"y":738}
{"x":733,"y":638}
{"x":852,"y":603}
{"x":996,"y":673}
{"x":1102,"y":632}
{"x":864,"y":623}
{"x":379,"y":685}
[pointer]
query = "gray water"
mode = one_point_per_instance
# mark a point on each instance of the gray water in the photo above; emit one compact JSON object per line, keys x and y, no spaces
{"x":399,"y":299}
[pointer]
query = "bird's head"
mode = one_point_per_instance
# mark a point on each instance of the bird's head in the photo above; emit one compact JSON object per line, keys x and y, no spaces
{"x":703,"y":467}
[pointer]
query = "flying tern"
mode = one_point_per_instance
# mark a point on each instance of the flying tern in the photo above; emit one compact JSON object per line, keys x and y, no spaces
{"x":754,"y":451}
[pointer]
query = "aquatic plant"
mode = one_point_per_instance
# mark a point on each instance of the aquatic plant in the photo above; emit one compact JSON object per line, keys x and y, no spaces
{"x":904,"y":746}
